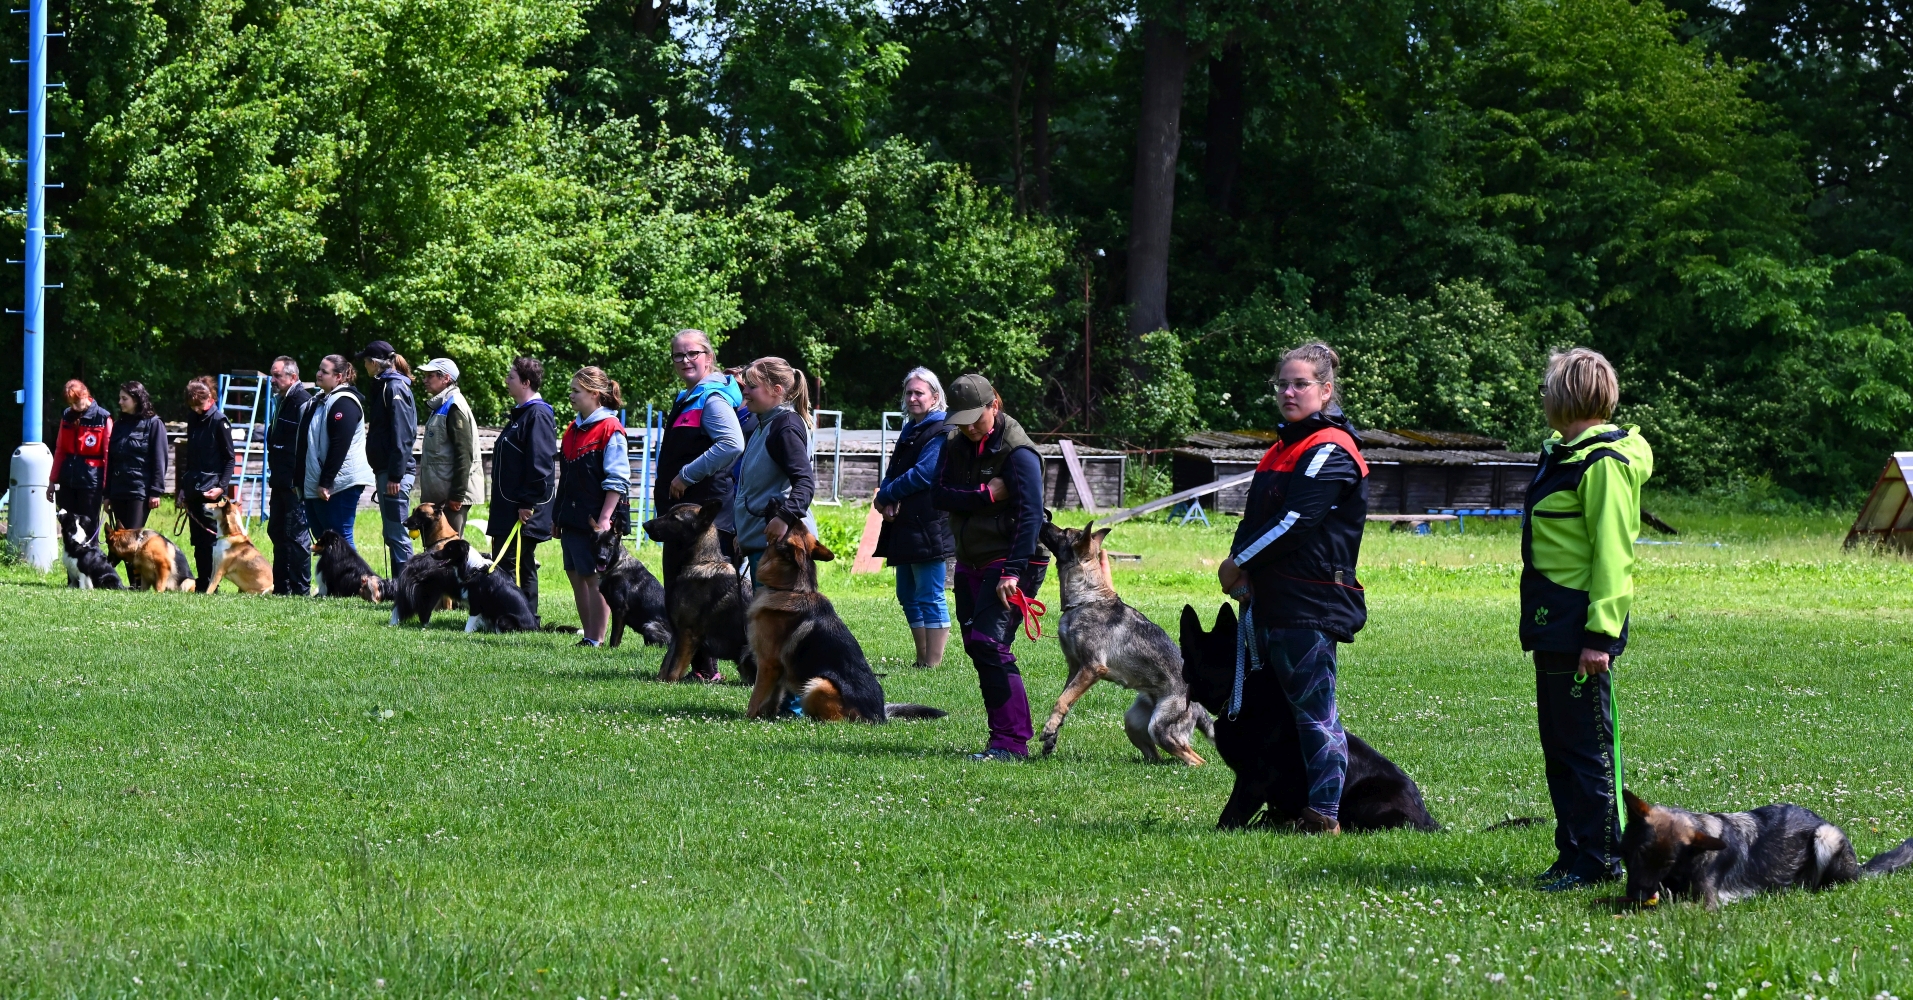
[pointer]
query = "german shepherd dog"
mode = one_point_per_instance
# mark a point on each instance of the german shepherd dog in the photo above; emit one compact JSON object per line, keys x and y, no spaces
{"x":152,"y":560}
{"x":1104,"y":638}
{"x":428,"y":583}
{"x":428,"y":522}
{"x":1723,"y":857}
{"x":86,"y":566}
{"x":635,"y":596}
{"x":342,"y":571}
{"x":708,"y":601}
{"x":804,"y":649}
{"x":494,"y":602}
{"x":1261,"y":746}
{"x":234,"y":555}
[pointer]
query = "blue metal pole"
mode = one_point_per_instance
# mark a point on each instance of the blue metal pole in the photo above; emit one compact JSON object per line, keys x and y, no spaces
{"x":35,"y":304}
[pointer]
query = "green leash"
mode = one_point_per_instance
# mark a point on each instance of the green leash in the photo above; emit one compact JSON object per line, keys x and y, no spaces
{"x":1614,"y":718}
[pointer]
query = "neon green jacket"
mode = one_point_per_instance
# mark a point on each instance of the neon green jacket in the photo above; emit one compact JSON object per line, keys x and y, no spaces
{"x":1577,"y":540}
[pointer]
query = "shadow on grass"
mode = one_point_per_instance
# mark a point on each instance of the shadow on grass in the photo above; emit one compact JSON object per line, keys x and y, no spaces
{"x":724,"y":712}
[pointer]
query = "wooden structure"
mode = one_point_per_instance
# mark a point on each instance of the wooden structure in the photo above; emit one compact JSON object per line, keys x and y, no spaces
{"x":1886,"y":519}
{"x":1102,"y":469}
{"x":1410,"y":472}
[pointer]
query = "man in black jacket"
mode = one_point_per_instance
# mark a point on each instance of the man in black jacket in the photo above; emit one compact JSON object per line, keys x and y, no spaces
{"x":391,"y":431}
{"x":524,"y":477}
{"x":286,"y":520}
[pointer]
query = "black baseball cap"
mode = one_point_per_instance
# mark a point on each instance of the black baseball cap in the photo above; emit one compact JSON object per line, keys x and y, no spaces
{"x":378,"y":349}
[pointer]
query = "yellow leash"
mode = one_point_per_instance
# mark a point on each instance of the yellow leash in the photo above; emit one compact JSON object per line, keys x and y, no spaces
{"x":510,"y":540}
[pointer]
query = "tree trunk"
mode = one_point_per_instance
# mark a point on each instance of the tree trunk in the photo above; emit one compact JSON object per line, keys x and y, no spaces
{"x":1165,"y":64}
{"x":1019,"y":72}
{"x":1039,"y":117}
{"x":649,"y":16}
{"x":1222,"y":160}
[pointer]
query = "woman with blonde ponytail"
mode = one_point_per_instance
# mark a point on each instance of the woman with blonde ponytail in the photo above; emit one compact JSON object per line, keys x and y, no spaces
{"x":594,"y":486}
{"x":775,"y":480}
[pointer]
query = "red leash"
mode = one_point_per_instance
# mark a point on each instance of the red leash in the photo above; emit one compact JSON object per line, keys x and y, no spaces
{"x":1033,"y":612}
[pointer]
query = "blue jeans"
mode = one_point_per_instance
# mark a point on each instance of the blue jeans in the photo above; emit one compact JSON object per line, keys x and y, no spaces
{"x":335,"y":514}
{"x":920,"y":591}
{"x":393,"y":510}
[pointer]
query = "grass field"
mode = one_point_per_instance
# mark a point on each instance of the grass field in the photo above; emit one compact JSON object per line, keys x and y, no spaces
{"x":258,"y":797}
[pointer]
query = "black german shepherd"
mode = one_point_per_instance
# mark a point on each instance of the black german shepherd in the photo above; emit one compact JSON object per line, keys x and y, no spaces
{"x":708,"y":600}
{"x":635,"y":596}
{"x":1261,"y":746}
{"x":1722,"y":857}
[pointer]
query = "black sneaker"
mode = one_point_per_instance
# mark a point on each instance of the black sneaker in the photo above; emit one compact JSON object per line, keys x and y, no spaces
{"x":588,"y":642}
{"x":1571,"y":881}
{"x":997,"y":753}
{"x":1555,"y":871}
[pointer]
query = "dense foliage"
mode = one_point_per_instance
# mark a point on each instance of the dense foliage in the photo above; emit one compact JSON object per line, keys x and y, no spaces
{"x":1715,"y":195}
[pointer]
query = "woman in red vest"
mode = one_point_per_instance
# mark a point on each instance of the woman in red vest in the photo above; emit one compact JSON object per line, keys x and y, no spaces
{"x":79,"y":455}
{"x":1293,"y":564}
{"x":594,"y":482}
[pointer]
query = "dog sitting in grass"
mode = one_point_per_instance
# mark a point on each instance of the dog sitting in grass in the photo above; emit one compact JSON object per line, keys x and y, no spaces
{"x":707,"y":601}
{"x":342,"y":572}
{"x":86,"y":567}
{"x":635,"y":597}
{"x":1104,"y":638}
{"x":1263,"y":749}
{"x":236,"y":557}
{"x":494,"y":602}
{"x":428,"y":583}
{"x":1719,"y":858}
{"x":152,"y":560}
{"x":804,"y":649}
{"x":428,"y":524}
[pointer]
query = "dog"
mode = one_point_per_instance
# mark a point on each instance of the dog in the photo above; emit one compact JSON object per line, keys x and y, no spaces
{"x":152,"y":560}
{"x":86,"y":566}
{"x":494,"y":602}
{"x":708,"y":602}
{"x":1261,"y":745}
{"x":1104,"y":638}
{"x":1719,"y":858}
{"x":428,"y":524}
{"x":342,"y":571}
{"x":429,"y":582}
{"x":234,"y":555}
{"x":375,"y":588}
{"x":635,"y":596}
{"x":803,"y":648}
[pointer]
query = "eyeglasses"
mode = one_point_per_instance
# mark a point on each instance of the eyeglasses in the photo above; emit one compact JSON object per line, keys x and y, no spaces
{"x":686,"y":355}
{"x":1299,"y":384}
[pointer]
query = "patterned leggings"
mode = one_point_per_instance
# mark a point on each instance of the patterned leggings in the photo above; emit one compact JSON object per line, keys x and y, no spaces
{"x":1304,"y":663}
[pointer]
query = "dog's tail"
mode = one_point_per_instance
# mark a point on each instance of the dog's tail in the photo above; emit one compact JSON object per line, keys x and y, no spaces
{"x":1888,"y":862}
{"x":1515,"y":823}
{"x":1204,"y":721}
{"x":906,"y":710}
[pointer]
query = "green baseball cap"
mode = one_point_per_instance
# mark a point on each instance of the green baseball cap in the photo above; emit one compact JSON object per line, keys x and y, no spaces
{"x":969,"y":396}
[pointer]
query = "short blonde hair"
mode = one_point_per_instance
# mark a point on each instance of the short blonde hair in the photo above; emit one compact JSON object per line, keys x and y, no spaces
{"x":1580,"y":386}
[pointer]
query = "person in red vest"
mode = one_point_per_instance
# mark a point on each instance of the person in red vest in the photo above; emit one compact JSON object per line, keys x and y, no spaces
{"x":1292,"y":564}
{"x":79,"y":455}
{"x":594,"y":483}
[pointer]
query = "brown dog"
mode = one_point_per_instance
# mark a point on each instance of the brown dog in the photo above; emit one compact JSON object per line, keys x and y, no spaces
{"x":429,"y":525}
{"x":234,"y":555}
{"x":152,"y":560}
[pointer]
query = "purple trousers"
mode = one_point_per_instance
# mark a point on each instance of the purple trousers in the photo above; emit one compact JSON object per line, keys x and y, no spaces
{"x":989,"y":627}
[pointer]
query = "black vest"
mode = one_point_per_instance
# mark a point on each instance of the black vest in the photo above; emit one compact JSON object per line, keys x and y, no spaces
{"x":920,"y":532}
{"x":283,"y":439}
{"x":681,"y":446}
{"x":130,"y":469}
{"x":984,"y":535}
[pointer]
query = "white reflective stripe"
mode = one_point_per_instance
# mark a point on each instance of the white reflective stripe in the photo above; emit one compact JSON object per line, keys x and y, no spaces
{"x":1320,"y":457}
{"x":1261,"y":543}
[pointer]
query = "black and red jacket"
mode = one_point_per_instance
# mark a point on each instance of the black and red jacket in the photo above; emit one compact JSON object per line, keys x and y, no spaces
{"x":583,"y":469}
{"x":1301,"y":534}
{"x":79,"y":452}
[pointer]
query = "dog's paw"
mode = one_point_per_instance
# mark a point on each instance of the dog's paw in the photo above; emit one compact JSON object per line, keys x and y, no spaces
{"x":1049,"y":742}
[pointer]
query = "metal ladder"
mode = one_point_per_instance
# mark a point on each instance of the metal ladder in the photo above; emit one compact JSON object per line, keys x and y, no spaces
{"x":245,"y":397}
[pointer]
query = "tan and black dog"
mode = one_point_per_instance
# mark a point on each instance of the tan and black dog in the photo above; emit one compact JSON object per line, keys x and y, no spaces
{"x":235,"y":556}
{"x":428,"y":524}
{"x":1106,"y":639}
{"x":152,"y":560}
{"x":707,"y":599}
{"x":804,"y":649}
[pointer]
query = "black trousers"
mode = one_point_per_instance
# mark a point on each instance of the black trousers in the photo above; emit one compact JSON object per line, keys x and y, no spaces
{"x":130,"y":512}
{"x":202,"y":525}
{"x":526,"y":575}
{"x":1577,"y":750}
{"x":291,"y":542}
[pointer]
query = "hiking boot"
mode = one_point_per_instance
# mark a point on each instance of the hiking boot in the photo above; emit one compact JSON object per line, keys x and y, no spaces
{"x":998,"y":753}
{"x":1555,"y":871}
{"x":1314,"y":822}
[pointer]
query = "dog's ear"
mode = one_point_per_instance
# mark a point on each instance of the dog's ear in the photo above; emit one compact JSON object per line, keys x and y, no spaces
{"x":1708,"y":842}
{"x":1096,"y":537}
{"x":710,"y":509}
{"x":1225,"y":619}
{"x":1636,"y":805}
{"x":820,"y":552}
{"x":1191,"y":626}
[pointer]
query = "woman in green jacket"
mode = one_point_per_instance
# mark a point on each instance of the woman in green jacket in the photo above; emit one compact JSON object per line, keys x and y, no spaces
{"x":1577,"y":585}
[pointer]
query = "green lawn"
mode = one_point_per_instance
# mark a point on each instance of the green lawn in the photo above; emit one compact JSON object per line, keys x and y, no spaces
{"x":258,"y":797}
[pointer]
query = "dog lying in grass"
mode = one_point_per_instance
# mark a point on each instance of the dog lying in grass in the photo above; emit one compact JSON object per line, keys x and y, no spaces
{"x":235,"y":556}
{"x":803,"y":648}
{"x":86,"y":566}
{"x":1719,"y":858}
{"x":635,"y":596}
{"x":1261,"y":745}
{"x":152,"y":560}
{"x":708,"y":601}
{"x":494,"y":602}
{"x":1104,"y":638}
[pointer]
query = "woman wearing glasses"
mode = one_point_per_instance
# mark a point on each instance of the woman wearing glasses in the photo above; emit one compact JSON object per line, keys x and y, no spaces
{"x":703,"y":436}
{"x":1292,"y":564}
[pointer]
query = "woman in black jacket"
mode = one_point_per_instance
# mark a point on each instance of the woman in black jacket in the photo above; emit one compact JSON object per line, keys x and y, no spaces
{"x":524,"y":477}
{"x":136,"y":458}
{"x":205,"y":474}
{"x":916,"y":535}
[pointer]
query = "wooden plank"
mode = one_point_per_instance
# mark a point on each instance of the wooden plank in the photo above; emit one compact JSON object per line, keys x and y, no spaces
{"x":1174,"y":498}
{"x":867,"y":561}
{"x":1076,"y":476}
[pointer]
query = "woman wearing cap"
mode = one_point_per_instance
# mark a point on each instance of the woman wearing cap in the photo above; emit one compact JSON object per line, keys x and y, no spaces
{"x":703,"y":438}
{"x":449,"y":472}
{"x":1293,"y":565}
{"x":1577,"y":586}
{"x":916,"y":535}
{"x":332,"y":450}
{"x":593,"y":489}
{"x":80,"y":455}
{"x":990,"y":480}
{"x":775,"y":480}
{"x":205,"y":473}
{"x":136,"y":464}
{"x":391,"y":429}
